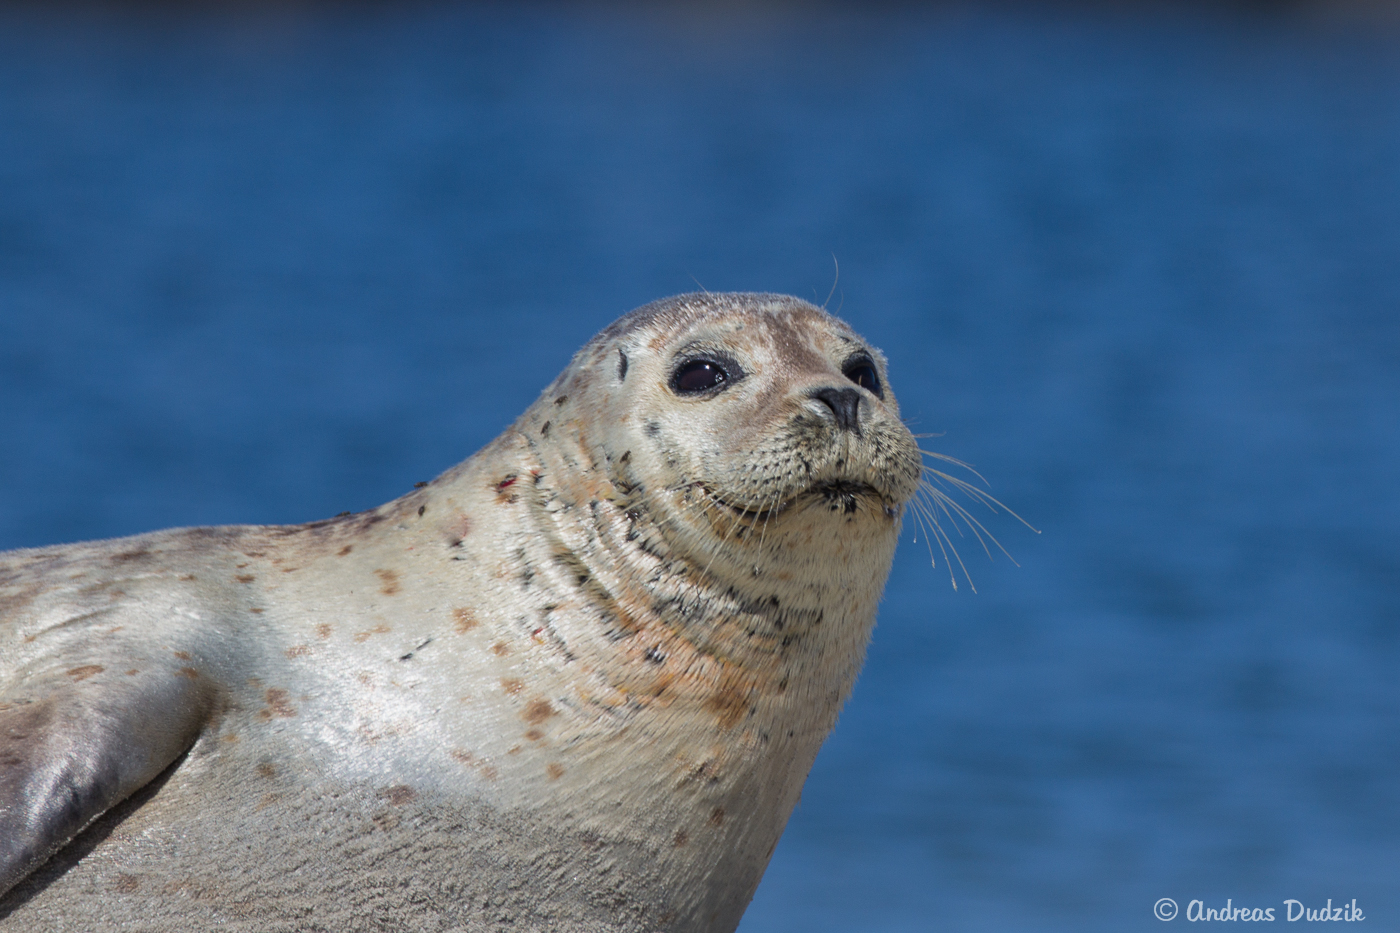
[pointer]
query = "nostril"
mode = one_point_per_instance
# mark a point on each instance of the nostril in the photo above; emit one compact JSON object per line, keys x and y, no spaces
{"x":844,"y":404}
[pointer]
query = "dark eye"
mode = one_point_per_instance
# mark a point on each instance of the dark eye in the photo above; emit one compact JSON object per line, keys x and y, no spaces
{"x":862,"y":373}
{"x":698,"y":376}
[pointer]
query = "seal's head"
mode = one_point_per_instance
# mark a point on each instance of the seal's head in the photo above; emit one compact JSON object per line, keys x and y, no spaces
{"x":758,"y":431}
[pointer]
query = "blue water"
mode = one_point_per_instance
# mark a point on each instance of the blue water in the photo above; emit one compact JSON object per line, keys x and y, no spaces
{"x":1142,"y":268}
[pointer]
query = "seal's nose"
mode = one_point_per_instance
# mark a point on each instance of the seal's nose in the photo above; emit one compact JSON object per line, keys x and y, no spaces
{"x":844,"y":403}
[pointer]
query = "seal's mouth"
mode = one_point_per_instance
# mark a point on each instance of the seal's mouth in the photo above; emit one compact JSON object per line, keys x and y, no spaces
{"x":837,"y":495}
{"x":745,"y":512}
{"x":844,"y":496}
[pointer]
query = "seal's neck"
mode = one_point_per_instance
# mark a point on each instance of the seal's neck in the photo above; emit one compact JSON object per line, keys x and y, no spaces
{"x":661,"y":568}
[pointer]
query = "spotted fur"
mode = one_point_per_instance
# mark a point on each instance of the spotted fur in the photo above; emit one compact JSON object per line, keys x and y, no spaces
{"x":574,"y":683}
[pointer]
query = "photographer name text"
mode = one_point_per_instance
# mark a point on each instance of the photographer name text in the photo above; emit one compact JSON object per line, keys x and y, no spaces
{"x":1292,"y":911}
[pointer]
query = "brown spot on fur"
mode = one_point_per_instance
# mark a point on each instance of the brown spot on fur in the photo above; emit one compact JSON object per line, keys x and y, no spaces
{"x":390,"y":580}
{"x":230,"y":738}
{"x":500,"y":649}
{"x":245,"y":578}
{"x":182,"y":655}
{"x":717,"y":817}
{"x":267,"y":769}
{"x":554,"y":770}
{"x":398,"y":795}
{"x":125,"y":884}
{"x":511,"y":685}
{"x":84,"y":672}
{"x":682,"y":837}
{"x":730,"y":703}
{"x":379,"y":629}
{"x":323,"y":630}
{"x":534,"y":735}
{"x":277,"y":705}
{"x":189,"y":672}
{"x":257,"y":610}
{"x":345,"y":550}
{"x":482,"y":766}
{"x":386,"y":821}
{"x":267,"y":801}
{"x":561,"y":400}
{"x":537,"y":712}
{"x":132,"y":673}
{"x":707,"y":771}
{"x":465,"y":619}
{"x":298,"y":651}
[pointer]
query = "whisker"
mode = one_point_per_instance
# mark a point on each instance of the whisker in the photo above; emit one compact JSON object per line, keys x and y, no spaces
{"x":942,"y":502}
{"x":944,"y":544}
{"x":981,"y":495}
{"x":834,"y":281}
{"x":954,"y":511}
{"x":767,"y":516}
{"x":955,"y":462}
{"x":919,"y":510}
{"x":932,"y":506}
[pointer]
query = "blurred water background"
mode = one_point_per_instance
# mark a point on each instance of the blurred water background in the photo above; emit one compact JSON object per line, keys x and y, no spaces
{"x":1140,"y":265}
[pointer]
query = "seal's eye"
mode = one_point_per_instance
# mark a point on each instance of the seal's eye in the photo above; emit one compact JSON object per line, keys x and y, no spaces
{"x":862,"y":372}
{"x":698,"y":376}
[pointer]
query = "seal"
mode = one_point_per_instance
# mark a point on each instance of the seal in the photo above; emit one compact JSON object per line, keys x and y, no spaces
{"x":574,"y":683}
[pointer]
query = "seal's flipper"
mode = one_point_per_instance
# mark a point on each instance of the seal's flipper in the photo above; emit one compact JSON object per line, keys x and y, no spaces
{"x":67,"y":758}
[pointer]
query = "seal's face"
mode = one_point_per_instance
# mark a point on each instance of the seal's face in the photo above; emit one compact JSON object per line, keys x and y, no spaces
{"x":754,"y":419}
{"x":782,"y":411}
